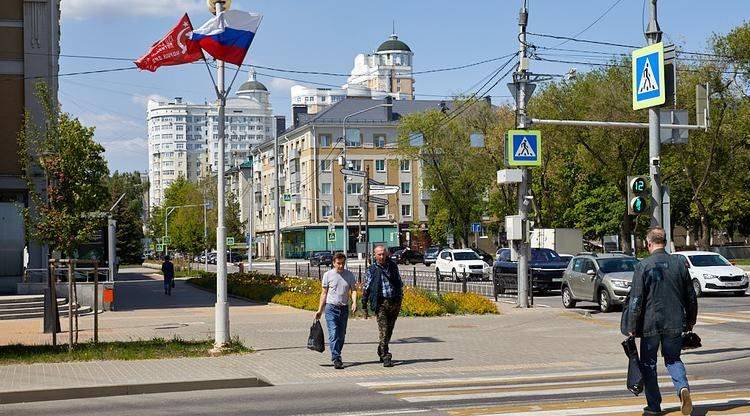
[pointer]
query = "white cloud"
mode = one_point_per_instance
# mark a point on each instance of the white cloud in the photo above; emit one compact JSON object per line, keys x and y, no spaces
{"x":143,"y":99}
{"x":110,"y":126}
{"x":126,"y":155}
{"x":282,"y":84}
{"x":84,"y":9}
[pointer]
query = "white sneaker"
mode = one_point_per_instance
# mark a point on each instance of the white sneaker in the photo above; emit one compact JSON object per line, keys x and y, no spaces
{"x":686,"y":403}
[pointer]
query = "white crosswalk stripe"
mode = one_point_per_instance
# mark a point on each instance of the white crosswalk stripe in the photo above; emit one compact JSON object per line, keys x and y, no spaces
{"x":715,"y":318}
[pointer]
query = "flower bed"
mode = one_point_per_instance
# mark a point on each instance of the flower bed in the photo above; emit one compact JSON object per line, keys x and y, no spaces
{"x":304,"y":293}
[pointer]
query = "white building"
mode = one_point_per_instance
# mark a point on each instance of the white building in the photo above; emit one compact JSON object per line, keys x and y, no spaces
{"x":183,"y":138}
{"x":387,"y":70}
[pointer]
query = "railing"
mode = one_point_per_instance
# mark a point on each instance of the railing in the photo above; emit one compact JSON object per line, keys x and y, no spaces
{"x":82,"y":274}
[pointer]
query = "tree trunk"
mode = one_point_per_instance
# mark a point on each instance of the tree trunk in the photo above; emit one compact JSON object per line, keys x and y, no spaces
{"x":705,"y":241}
{"x":625,"y":231}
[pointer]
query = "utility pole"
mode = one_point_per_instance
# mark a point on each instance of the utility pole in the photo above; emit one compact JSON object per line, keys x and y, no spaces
{"x":252,"y":215}
{"x":277,"y":231}
{"x":344,"y":165}
{"x":522,"y":248}
{"x":653,"y":35}
{"x":367,"y":215}
{"x":221,"y":318}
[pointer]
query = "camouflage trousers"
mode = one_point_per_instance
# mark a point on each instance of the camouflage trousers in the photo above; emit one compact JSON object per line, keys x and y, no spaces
{"x":386,"y":316}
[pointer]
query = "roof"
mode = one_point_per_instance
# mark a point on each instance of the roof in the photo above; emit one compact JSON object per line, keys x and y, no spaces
{"x":335,"y":114}
{"x":252,"y":86}
{"x":393,"y":44}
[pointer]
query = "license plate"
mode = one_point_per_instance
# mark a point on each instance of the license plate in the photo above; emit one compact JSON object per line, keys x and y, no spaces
{"x":733,"y":283}
{"x":557,"y":279}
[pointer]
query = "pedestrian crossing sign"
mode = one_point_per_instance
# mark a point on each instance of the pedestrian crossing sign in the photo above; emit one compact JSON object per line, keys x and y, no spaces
{"x":331,"y":236}
{"x":648,"y":77}
{"x":524,"y":148}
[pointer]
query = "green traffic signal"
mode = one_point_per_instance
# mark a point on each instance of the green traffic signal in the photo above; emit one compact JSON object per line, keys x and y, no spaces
{"x":638,"y":205}
{"x":638,"y":184}
{"x":638,"y":194}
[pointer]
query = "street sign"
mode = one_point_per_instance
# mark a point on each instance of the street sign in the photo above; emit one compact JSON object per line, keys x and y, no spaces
{"x":159,"y":248}
{"x":673,"y":136}
{"x":379,"y":201}
{"x":374,"y":182}
{"x":331,"y":236}
{"x":649,"y":88}
{"x":508,"y":176}
{"x":524,"y":148}
{"x":287,"y":198}
{"x":166,"y":240}
{"x":476,"y":227}
{"x":381,"y":187}
{"x":352,"y":172}
{"x":230,"y":241}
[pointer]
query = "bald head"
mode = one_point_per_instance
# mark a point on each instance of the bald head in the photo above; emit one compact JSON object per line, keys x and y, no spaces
{"x":380,"y":254}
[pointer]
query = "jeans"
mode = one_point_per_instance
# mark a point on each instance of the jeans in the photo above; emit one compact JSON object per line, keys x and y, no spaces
{"x":336,"y":319}
{"x":671,"y":345}
{"x":168,"y":286}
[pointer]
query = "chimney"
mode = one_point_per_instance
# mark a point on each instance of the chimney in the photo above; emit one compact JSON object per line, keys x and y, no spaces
{"x":280,"y":125}
{"x":389,"y":109}
{"x":488,"y":98}
{"x":297,"y":111}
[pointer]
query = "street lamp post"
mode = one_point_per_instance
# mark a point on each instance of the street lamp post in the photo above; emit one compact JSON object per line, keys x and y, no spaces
{"x":343,"y":163}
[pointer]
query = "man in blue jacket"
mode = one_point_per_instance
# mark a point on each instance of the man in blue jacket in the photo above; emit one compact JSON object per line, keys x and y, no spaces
{"x":383,"y":290}
{"x":662,"y":306}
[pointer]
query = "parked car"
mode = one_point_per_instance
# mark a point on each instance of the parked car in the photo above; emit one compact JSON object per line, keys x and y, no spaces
{"x":408,"y":256}
{"x":486,"y":257}
{"x":605,"y":279}
{"x":457,"y":263}
{"x":431,"y":253}
{"x":712,"y":273}
{"x":320,"y":258}
{"x":566,"y":257}
{"x":546,"y":266}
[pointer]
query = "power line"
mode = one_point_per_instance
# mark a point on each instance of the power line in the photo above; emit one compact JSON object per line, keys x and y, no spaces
{"x":597,"y":20}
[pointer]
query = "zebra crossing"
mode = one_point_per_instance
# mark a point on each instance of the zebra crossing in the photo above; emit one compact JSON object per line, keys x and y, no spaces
{"x":716,"y":318}
{"x":583,"y":393}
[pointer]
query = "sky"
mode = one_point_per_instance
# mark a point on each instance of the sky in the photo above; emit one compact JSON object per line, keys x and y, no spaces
{"x":326,"y":35}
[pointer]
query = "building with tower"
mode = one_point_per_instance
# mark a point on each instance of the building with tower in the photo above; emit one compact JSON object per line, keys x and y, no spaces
{"x":387,"y":70}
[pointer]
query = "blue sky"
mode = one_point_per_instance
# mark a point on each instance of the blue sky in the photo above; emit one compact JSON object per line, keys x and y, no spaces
{"x":326,"y":35}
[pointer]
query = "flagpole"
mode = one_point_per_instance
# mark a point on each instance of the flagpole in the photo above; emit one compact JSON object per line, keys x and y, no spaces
{"x":221,"y":319}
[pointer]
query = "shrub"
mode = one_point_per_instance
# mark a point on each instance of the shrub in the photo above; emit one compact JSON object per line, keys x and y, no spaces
{"x":418,"y":302}
{"x":468,"y":303}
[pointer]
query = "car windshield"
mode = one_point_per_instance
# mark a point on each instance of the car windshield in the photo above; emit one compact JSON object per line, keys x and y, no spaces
{"x":625,"y":264}
{"x":544,"y":255}
{"x":708,"y":260}
{"x":432,"y":250}
{"x":466,"y":255}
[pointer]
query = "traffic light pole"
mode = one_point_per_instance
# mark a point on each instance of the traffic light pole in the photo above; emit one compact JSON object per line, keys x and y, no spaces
{"x":521,"y":78}
{"x":653,"y":35}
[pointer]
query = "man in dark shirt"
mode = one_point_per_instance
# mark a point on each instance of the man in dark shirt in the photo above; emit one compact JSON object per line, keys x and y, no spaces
{"x":383,"y":290}
{"x":662,"y":306}
{"x":167,"y":268}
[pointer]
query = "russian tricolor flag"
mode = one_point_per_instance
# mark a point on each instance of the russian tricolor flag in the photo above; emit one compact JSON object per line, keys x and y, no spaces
{"x":228,"y":36}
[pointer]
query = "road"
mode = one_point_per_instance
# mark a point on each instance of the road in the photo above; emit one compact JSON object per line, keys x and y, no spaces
{"x":717,"y":389}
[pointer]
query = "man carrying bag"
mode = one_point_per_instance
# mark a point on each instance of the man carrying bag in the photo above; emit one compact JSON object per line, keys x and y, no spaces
{"x":662,"y":306}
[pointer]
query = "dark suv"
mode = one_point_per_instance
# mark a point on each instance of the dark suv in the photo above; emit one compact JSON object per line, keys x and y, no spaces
{"x":430,"y":255}
{"x":319,"y":258}
{"x":407,"y":256}
{"x":546,"y":266}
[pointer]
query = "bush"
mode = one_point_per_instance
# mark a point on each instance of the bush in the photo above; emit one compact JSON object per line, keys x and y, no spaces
{"x":468,"y":303}
{"x":418,"y":302}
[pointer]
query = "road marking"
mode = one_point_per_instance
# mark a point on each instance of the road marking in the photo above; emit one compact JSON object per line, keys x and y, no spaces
{"x":447,"y":370}
{"x":715,"y":318}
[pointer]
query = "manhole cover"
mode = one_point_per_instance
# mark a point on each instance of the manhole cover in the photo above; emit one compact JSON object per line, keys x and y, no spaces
{"x":171,"y":326}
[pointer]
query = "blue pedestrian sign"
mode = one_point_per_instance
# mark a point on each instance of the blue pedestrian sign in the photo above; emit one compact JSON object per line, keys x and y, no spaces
{"x":476,"y":227}
{"x":648,"y":77}
{"x":524,"y":148}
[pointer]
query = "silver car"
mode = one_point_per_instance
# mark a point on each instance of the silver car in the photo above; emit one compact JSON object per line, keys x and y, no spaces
{"x":604,"y":279}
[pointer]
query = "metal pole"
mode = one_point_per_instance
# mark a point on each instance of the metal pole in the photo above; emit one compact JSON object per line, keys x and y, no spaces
{"x":277,"y":232}
{"x":166,"y":232}
{"x":96,"y":301}
{"x":653,"y":35}
{"x":521,"y":76}
{"x":367,"y":216}
{"x":70,"y":304}
{"x":252,"y":217}
{"x":345,"y":204}
{"x":205,"y":236}
{"x":112,"y":247}
{"x":221,"y":319}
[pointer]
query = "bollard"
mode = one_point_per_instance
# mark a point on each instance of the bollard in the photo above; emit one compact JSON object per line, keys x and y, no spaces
{"x":531,"y":287}
{"x":463,"y":282}
{"x":494,"y":285}
{"x":415,"y":276}
{"x":296,"y":268}
{"x":437,"y":281}
{"x":360,"y":273}
{"x":320,"y":276}
{"x":308,"y":270}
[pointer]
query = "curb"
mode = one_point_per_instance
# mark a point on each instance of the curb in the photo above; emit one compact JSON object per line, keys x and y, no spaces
{"x":128,"y":389}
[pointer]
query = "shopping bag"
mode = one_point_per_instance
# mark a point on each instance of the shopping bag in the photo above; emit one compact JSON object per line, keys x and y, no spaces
{"x":634,"y":381}
{"x":316,"y":341}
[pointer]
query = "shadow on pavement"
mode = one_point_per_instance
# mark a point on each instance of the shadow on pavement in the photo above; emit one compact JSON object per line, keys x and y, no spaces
{"x":412,"y":340}
{"x":700,"y":351}
{"x":706,"y":410}
{"x":396,"y":363}
{"x":134,"y":293}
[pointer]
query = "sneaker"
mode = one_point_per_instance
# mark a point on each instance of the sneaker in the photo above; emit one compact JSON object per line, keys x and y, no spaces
{"x":387,"y":362}
{"x":648,"y":412}
{"x":337,"y":364}
{"x":686,"y":403}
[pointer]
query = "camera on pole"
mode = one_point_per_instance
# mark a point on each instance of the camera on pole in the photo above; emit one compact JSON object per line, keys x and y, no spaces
{"x":638,"y":194}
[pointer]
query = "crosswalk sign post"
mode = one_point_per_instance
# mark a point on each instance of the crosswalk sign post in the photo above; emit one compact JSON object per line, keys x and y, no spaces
{"x":331,"y":236}
{"x":649,"y":88}
{"x":524,"y":148}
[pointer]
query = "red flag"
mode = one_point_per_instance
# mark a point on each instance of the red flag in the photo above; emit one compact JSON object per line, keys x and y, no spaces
{"x":174,"y":49}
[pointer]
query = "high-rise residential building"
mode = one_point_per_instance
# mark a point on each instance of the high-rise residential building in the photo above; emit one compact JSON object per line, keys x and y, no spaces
{"x":387,"y":70}
{"x":183,"y":138}
{"x":30,"y":52}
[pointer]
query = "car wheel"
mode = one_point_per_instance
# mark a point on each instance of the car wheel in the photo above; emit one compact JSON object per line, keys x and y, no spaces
{"x":567,"y":298}
{"x":697,"y":288}
{"x":438,"y":276}
{"x":454,"y":274}
{"x":605,"y":302}
{"x":739,"y":293}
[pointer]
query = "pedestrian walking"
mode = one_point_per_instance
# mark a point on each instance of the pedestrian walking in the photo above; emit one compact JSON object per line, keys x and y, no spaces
{"x":383,"y":291}
{"x":339,"y":285}
{"x":167,"y":269}
{"x":662,"y":306}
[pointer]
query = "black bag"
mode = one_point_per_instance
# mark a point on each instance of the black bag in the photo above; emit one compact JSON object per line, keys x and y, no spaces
{"x":624,"y":317}
{"x":316,"y":341}
{"x":634,"y":381}
{"x":691,"y":340}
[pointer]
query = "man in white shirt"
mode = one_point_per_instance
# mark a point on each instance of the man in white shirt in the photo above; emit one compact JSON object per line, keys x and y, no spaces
{"x":339,"y":285}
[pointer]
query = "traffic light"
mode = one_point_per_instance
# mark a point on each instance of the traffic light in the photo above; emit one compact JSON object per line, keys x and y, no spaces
{"x":638,"y":194}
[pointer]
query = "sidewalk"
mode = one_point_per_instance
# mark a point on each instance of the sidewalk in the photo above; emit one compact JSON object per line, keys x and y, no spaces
{"x":518,"y":342}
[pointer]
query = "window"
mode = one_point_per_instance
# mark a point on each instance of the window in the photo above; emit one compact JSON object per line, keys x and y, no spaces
{"x":355,"y":164}
{"x":354,"y":188}
{"x":406,"y":210}
{"x":324,"y":140}
{"x":325,"y":211}
{"x":405,"y":188}
{"x":353,"y":137}
{"x":352,"y":211}
{"x":445,"y":255}
{"x":325,"y":165}
{"x":380,"y":211}
{"x":180,"y":127}
{"x":325,"y":188}
{"x":406,"y":165}
{"x":378,"y":140}
{"x":380,"y":165}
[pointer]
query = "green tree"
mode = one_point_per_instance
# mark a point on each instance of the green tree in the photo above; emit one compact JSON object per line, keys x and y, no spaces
{"x":76,"y":172}
{"x":128,"y":214}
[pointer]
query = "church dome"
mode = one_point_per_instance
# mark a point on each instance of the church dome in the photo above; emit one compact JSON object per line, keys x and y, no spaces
{"x":393,"y":44}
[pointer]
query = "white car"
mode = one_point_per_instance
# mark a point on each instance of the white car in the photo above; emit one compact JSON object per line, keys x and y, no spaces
{"x":457,"y":263}
{"x":712,"y":273}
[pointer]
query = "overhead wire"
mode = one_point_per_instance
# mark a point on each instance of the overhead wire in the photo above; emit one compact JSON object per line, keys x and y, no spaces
{"x":597,"y":20}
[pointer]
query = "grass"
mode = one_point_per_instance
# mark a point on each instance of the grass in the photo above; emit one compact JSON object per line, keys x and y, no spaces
{"x":741,"y":262}
{"x":118,"y":350}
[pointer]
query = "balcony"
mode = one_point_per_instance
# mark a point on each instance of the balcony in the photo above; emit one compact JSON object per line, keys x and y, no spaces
{"x":293,"y":154}
{"x":294,"y":177}
{"x":257,"y":187}
{"x":424,"y":195}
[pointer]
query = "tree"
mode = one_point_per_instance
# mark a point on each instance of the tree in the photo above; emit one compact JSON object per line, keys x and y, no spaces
{"x":128,"y":214}
{"x":76,"y":173}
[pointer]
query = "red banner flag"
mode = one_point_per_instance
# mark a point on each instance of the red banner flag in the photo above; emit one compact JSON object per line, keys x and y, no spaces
{"x":174,"y":49}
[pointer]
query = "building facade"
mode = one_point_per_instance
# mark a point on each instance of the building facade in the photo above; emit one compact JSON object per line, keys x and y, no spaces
{"x":183,"y":138}
{"x":30,"y":41}
{"x":387,"y":70}
{"x":312,"y":186}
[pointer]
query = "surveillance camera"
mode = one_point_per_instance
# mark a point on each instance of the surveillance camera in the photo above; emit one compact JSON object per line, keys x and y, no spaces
{"x":529,"y":197}
{"x":655,"y":161}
